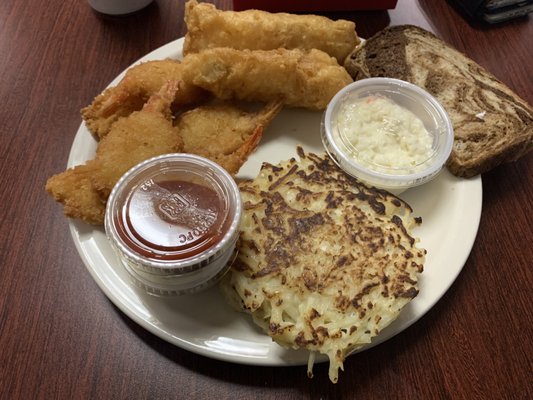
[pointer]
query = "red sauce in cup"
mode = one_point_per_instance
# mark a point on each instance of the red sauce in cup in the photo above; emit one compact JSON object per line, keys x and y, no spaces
{"x":171,"y":219}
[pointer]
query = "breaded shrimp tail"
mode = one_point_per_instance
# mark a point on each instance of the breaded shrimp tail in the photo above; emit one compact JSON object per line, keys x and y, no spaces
{"x":141,"y":135}
{"x":74,"y":189}
{"x":299,"y":78}
{"x":133,"y":91}
{"x":84,"y":189}
{"x":224,"y":132}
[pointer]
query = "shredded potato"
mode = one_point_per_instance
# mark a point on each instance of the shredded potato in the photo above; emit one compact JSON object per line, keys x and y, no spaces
{"x":325,"y":263}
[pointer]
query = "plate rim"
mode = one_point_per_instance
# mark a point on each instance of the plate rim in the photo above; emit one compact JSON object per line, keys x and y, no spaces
{"x":173,"y":50}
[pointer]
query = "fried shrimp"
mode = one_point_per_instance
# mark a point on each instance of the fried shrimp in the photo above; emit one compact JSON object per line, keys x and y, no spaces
{"x":142,"y":135}
{"x":140,"y":82}
{"x":224,"y":132}
{"x":84,"y":189}
{"x":74,"y":189}
{"x":299,"y":78}
{"x":208,"y":27}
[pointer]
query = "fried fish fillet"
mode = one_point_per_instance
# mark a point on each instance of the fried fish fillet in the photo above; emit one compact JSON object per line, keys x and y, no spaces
{"x":208,"y":27}
{"x":325,"y":262}
{"x":300,"y":78}
{"x":224,"y":132}
{"x":133,"y":91}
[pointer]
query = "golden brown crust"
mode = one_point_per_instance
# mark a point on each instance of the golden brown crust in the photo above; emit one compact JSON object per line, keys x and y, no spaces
{"x":299,"y":78}
{"x":208,"y":28}
{"x":84,"y":189}
{"x":139,"y":83}
{"x":324,"y":263}
{"x":224,"y":132}
{"x":74,"y":189}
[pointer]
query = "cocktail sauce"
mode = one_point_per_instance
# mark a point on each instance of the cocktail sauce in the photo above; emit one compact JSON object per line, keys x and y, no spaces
{"x":171,"y":219}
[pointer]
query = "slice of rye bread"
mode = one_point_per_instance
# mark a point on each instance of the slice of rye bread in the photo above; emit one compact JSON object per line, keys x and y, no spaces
{"x":492,"y":124}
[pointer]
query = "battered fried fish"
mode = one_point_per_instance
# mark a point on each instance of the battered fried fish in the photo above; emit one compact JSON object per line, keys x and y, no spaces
{"x":132,"y":92}
{"x":224,"y":132}
{"x":261,"y":30}
{"x":299,"y":78}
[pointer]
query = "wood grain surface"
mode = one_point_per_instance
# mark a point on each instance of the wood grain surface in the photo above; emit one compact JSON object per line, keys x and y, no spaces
{"x":61,"y":338}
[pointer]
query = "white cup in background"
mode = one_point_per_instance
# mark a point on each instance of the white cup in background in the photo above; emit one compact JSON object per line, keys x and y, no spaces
{"x":118,"y":7}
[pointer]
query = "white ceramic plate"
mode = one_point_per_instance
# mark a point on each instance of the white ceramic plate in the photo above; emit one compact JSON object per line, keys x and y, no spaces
{"x":204,"y":324}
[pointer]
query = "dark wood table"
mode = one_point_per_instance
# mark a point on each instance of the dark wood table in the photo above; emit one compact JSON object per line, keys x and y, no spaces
{"x":60,"y":336}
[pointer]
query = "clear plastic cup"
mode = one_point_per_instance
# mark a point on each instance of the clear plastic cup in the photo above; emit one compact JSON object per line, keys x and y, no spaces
{"x":173,"y":220}
{"x":357,"y":161}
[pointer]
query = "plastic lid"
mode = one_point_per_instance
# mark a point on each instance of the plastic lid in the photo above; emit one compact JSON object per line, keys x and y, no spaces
{"x":406,"y":95}
{"x":173,"y":214}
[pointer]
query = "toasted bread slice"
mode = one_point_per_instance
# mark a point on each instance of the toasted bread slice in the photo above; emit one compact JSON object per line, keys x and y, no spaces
{"x":492,"y":124}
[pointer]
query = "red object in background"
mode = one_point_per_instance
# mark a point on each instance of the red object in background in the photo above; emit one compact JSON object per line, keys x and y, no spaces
{"x":313,"y":5}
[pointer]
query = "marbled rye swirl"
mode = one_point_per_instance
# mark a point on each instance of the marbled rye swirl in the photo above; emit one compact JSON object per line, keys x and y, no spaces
{"x":492,"y":124}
